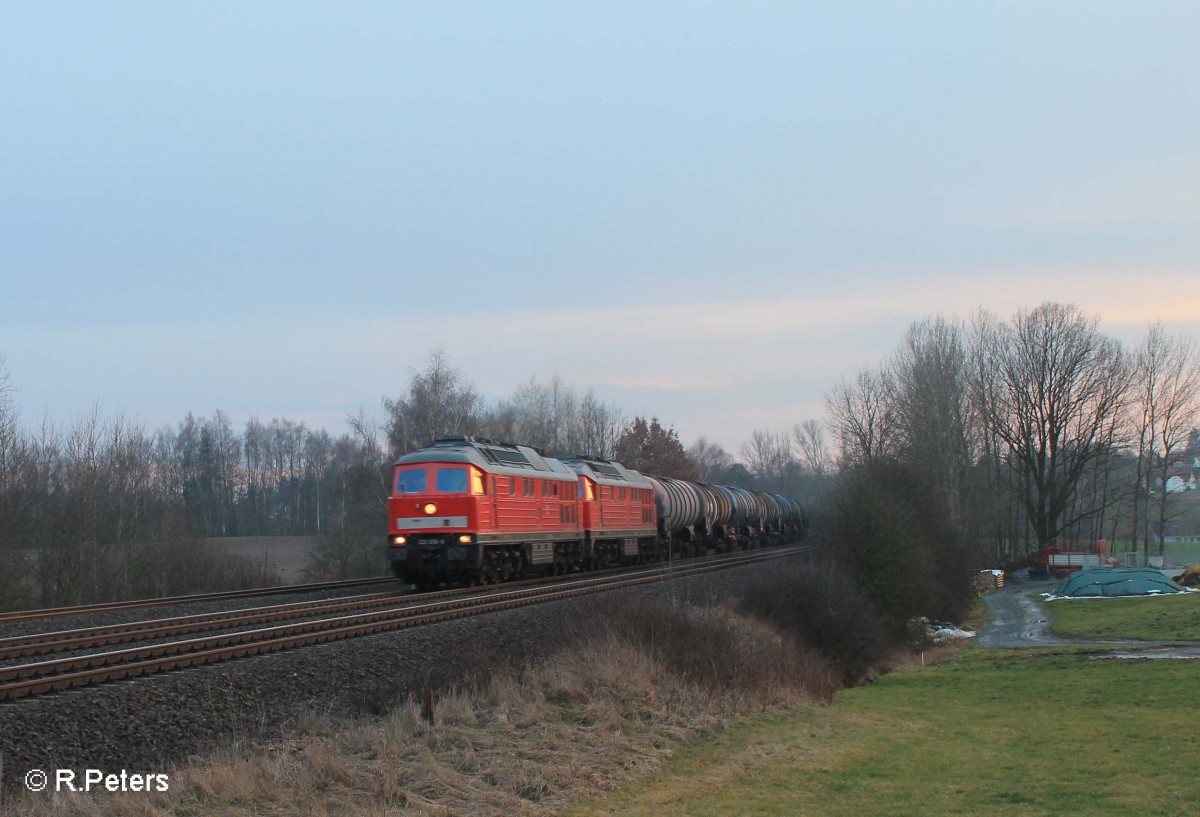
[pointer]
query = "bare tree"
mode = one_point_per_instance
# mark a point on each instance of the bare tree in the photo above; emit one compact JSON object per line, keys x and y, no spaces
{"x":129,"y":457}
{"x":1004,"y":524}
{"x":1057,"y":384}
{"x":543,"y":415}
{"x":13,"y":565}
{"x":553,"y":417}
{"x":366,"y":435}
{"x":1165,"y":409}
{"x":85,"y":472}
{"x":769,"y":457}
{"x":256,"y":446}
{"x":710,"y":460}
{"x":348,"y":545}
{"x":813,"y":444}
{"x":8,"y":415}
{"x":439,"y":401}
{"x":862,"y":417}
{"x":934,"y":418}
{"x":600,"y":426}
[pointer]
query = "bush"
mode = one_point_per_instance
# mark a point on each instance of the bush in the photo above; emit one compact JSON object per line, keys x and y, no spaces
{"x":896,"y":537}
{"x":821,"y":606}
{"x":716,"y":649}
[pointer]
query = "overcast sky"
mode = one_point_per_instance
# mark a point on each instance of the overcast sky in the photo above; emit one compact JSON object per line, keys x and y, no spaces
{"x":707,"y":212}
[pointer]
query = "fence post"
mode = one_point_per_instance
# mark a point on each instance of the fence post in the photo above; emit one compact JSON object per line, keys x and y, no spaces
{"x":427,"y":705}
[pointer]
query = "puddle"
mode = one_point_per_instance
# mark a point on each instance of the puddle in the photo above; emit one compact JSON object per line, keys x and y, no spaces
{"x":1151,"y":654}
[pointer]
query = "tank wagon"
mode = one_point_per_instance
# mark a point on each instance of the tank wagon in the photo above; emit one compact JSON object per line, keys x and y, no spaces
{"x":478,"y":511}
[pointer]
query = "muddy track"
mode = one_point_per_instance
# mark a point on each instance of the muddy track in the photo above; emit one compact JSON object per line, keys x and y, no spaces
{"x":1016,"y":621}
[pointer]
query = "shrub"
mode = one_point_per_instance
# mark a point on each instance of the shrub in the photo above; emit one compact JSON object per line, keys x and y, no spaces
{"x":820,"y":605}
{"x":896,"y":537}
{"x":716,"y":649}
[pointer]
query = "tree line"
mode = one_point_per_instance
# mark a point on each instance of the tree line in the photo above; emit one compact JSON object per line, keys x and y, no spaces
{"x":1030,"y":430}
{"x":103,"y":508}
{"x":1002,"y":435}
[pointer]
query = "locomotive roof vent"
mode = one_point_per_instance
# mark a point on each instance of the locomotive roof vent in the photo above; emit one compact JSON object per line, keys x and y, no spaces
{"x":510,"y":457}
{"x":603,"y":467}
{"x":607,"y":470}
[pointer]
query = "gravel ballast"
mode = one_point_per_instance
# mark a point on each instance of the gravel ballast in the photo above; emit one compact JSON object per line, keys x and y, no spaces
{"x":153,"y":723}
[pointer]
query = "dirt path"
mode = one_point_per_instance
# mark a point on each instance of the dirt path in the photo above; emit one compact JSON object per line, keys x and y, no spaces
{"x":1015,"y":620}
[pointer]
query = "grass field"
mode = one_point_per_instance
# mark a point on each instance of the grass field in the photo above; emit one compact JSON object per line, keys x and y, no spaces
{"x":1004,"y":733}
{"x":1162,"y":618}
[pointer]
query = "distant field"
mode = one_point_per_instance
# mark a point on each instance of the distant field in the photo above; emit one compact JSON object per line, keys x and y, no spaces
{"x":1182,"y":553}
{"x":993,"y":733}
{"x":1162,"y":618}
{"x":286,"y":556}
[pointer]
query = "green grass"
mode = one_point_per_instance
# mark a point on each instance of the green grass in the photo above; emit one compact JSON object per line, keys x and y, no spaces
{"x":1162,"y":618}
{"x":1182,"y":553}
{"x":992,"y":733}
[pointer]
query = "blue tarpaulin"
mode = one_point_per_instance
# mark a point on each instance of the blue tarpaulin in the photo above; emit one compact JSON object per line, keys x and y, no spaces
{"x":1115,"y":581}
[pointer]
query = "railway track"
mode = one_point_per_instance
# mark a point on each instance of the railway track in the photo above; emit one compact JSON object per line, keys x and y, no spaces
{"x":106,"y":607}
{"x":323,"y":622}
{"x":22,"y":646}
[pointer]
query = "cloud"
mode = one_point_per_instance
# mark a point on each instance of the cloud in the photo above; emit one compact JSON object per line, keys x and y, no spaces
{"x":717,"y":368}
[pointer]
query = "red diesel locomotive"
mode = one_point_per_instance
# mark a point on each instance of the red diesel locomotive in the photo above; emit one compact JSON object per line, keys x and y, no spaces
{"x":467,"y":510}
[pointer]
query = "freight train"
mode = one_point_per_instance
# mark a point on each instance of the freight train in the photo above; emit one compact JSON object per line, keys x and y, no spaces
{"x":474,"y":511}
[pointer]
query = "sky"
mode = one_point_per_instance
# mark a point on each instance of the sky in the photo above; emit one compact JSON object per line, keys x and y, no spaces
{"x":707,"y":212}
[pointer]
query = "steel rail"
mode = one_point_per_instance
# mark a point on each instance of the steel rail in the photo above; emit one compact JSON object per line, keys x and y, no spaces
{"x":137,"y":653}
{"x":133,"y":604}
{"x":31,"y":679}
{"x":23,"y":646}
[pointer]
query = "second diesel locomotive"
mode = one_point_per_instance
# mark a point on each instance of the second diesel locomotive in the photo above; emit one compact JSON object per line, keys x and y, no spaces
{"x":468,"y":510}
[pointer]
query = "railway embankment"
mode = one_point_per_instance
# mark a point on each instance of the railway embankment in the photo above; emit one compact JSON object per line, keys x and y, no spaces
{"x":577,"y":669}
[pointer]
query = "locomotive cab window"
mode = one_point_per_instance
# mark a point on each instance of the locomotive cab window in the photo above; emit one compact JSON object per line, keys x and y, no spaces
{"x":477,"y":482}
{"x":452,"y":480}
{"x":411,"y":481}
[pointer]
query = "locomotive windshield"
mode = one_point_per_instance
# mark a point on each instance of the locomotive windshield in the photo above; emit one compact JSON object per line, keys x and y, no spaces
{"x":411,"y":482}
{"x":451,"y":480}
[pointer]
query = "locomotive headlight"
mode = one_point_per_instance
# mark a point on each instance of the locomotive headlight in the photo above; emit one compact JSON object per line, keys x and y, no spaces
{"x":465,"y":538}
{"x":399,"y":540}
{"x":430,"y":508}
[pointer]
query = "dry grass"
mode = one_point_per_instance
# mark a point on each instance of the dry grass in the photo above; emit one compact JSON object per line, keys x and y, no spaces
{"x":519,"y":743}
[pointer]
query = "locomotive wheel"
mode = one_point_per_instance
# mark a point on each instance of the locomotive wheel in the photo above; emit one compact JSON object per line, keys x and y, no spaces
{"x":491,"y":569}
